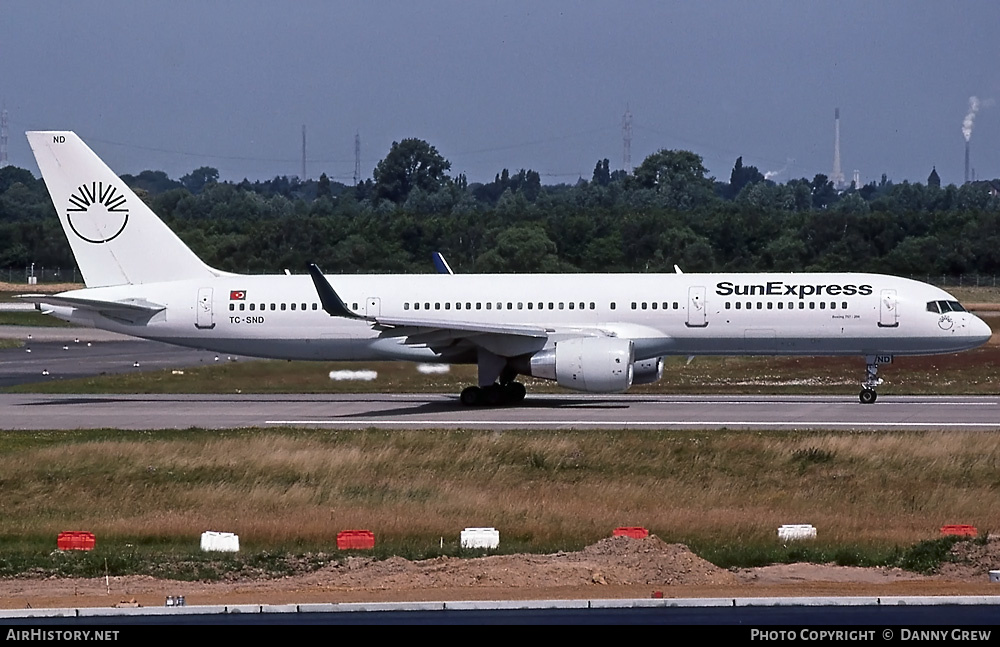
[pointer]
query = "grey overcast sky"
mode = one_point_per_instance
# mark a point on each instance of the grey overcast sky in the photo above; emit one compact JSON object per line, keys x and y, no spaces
{"x":542,"y":85}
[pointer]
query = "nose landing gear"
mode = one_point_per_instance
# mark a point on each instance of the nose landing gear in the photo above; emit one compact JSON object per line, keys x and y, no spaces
{"x":872,"y":380}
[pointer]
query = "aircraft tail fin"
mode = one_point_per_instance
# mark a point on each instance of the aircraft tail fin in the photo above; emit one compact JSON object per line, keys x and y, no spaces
{"x":115,"y":237}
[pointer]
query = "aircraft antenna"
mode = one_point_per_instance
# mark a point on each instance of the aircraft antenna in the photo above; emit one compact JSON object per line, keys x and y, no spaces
{"x":357,"y":157}
{"x":627,"y":140}
{"x":3,"y":138}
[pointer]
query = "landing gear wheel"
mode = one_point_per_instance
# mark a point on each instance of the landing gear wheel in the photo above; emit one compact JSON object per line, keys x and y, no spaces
{"x":471,"y":396}
{"x":515,"y":392}
{"x":494,"y":395}
{"x":868,"y":396}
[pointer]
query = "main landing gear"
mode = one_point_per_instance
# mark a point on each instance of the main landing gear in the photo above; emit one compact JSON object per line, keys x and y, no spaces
{"x":496,"y":382}
{"x":872,"y":380}
{"x":493,"y":395}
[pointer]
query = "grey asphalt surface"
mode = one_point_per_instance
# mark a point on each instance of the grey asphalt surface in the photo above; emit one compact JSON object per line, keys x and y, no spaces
{"x":67,"y":352}
{"x":424,"y":411}
{"x":82,"y":352}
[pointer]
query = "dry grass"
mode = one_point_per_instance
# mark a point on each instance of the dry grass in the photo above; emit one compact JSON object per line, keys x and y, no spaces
{"x":546,"y":489}
{"x":8,"y":289}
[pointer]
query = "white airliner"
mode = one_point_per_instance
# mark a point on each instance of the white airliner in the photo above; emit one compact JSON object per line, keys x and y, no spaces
{"x":598,"y":333}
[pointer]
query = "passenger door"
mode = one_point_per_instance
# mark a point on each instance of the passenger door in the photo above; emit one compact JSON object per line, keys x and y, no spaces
{"x":888,"y":316}
{"x":697,"y":310}
{"x":204,"y":312}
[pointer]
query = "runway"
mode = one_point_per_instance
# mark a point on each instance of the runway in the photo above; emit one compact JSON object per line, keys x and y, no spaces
{"x":443,"y":411}
{"x":63,"y":353}
{"x":71,"y":352}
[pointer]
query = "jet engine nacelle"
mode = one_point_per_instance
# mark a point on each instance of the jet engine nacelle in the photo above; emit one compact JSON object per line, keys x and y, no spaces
{"x":647,"y":371}
{"x":592,"y":364}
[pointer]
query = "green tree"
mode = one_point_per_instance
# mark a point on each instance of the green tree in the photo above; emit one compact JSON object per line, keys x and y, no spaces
{"x":678,"y":176}
{"x":602,"y":173}
{"x":411,"y":163}
{"x":199,"y":178}
{"x":323,"y":187}
{"x":740,"y":177}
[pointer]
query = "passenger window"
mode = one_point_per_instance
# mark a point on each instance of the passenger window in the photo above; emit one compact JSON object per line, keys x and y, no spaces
{"x":812,"y":305}
{"x":560,"y":305}
{"x":447,"y":305}
{"x":727,"y":305}
{"x":612,"y":305}
{"x":406,"y":306}
{"x":284,"y":306}
{"x":633,"y":305}
{"x":770,"y":305}
{"x":489,"y":305}
{"x":232,"y":306}
{"x":293,"y":306}
{"x":243,"y":306}
{"x":843,"y":306}
{"x":737,"y":305}
{"x":781,"y":305}
{"x":520,"y":305}
{"x":822,"y":305}
{"x":571,"y":305}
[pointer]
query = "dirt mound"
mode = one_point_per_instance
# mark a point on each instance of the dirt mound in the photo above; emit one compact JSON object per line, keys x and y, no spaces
{"x":972,"y":560}
{"x":611,"y":568}
{"x":614,"y":561}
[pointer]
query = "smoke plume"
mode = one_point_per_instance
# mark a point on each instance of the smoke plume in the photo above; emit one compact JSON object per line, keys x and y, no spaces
{"x":970,"y":118}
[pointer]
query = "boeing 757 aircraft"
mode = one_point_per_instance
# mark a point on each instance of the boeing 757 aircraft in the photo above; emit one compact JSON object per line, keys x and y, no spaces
{"x":598,"y":333}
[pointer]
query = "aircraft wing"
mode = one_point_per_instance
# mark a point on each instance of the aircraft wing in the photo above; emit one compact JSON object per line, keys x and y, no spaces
{"x":442,"y":335}
{"x":133,"y":311}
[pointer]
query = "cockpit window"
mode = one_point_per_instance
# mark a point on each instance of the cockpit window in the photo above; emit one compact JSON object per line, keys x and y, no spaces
{"x":944,"y":306}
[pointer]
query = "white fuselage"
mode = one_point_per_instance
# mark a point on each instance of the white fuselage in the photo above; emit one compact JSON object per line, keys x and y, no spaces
{"x":663,"y":314}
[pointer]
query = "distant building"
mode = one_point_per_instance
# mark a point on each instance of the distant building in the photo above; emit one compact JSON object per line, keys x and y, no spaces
{"x":992,"y":187}
{"x":934,"y":179}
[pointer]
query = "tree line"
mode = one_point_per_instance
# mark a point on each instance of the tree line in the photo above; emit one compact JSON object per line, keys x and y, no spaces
{"x":667,"y":211}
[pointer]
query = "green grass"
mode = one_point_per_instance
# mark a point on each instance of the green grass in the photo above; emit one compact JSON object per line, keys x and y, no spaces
{"x":29,"y":318}
{"x":876,"y":499}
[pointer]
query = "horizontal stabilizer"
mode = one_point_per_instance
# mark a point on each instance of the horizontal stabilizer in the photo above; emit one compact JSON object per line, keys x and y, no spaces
{"x":132,"y":311}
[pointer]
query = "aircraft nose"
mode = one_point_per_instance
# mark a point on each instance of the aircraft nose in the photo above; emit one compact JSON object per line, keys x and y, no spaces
{"x":978,"y":330}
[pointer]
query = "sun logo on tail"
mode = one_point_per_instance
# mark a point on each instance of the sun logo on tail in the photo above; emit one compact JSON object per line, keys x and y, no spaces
{"x":97,"y":213}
